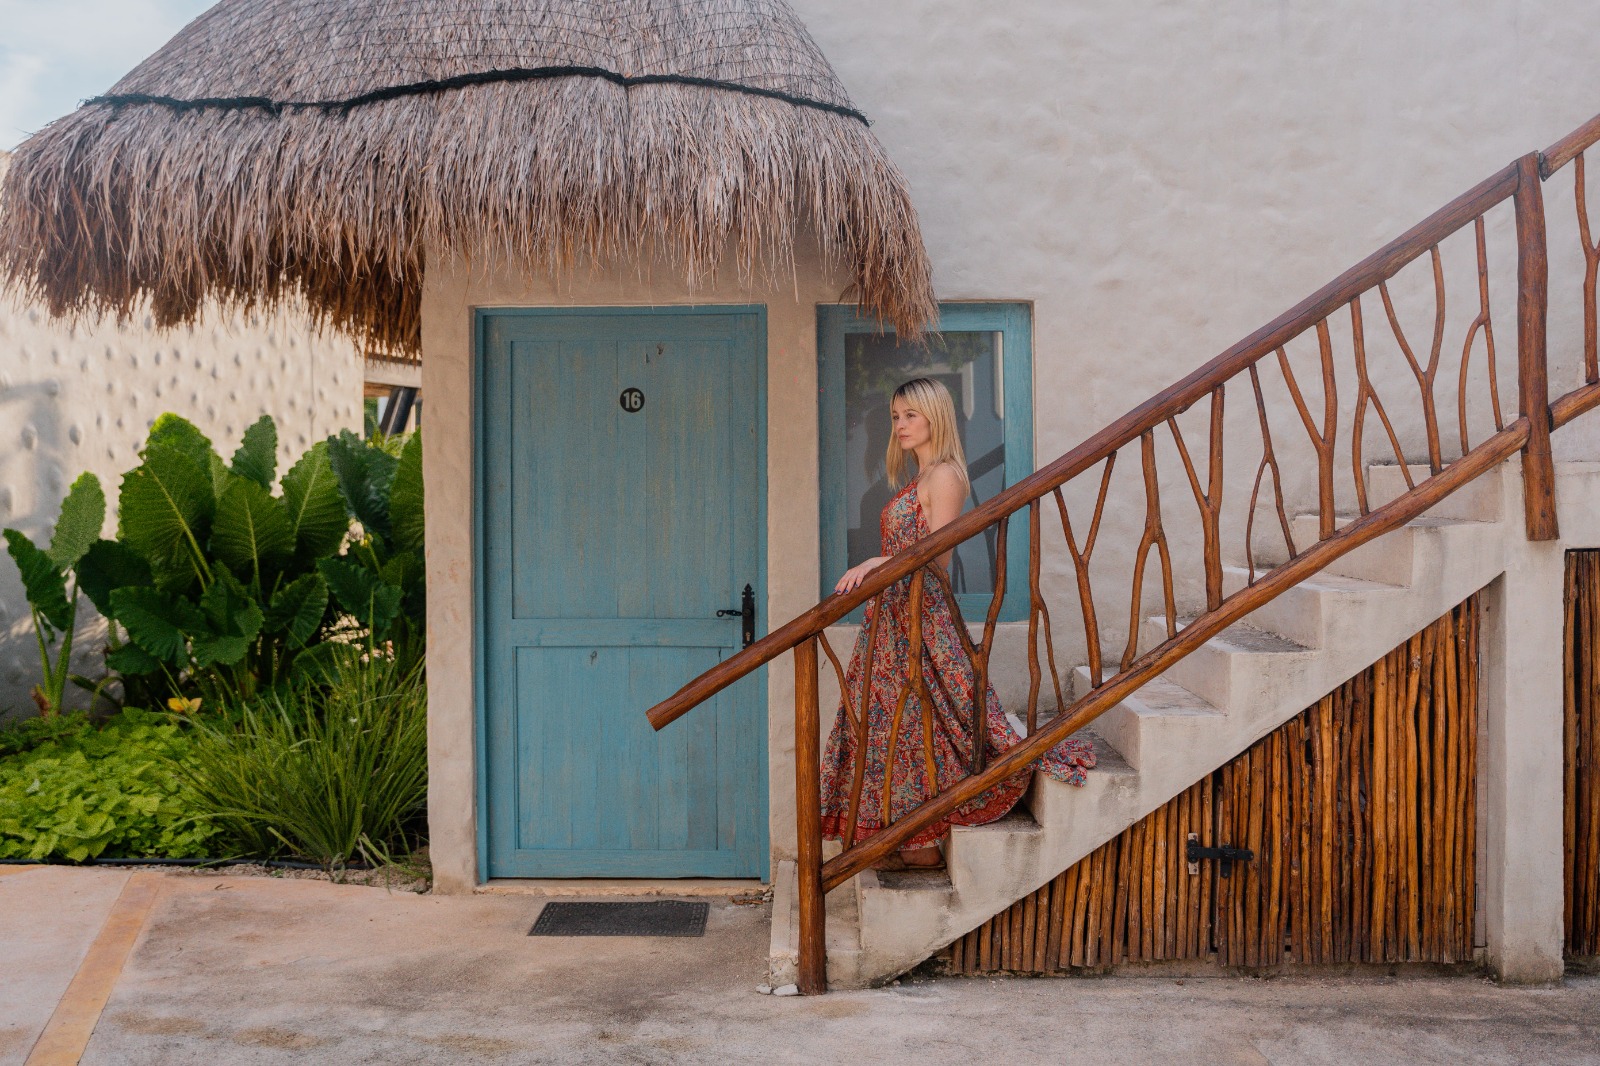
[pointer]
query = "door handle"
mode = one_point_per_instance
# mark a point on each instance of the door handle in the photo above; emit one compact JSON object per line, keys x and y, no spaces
{"x":746,"y":613}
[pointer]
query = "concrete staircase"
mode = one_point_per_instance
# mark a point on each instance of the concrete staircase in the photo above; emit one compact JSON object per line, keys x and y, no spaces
{"x":1206,"y":709}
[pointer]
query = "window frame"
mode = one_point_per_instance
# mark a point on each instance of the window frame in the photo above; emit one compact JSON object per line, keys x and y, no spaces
{"x":1014,"y":321}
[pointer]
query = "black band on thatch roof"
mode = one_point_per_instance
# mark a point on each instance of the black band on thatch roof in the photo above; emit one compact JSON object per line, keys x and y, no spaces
{"x":461,"y":81}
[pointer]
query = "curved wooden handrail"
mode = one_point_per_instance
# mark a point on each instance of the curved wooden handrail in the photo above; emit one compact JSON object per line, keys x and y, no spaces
{"x":1380,"y":520}
{"x":1521,"y":183}
{"x":1170,"y":402}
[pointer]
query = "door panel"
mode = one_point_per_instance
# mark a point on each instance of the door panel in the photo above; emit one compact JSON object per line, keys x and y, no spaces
{"x":611,"y":538}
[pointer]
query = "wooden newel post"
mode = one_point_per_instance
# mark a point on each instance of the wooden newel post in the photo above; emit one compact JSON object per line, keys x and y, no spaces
{"x":808,"y":821}
{"x":1533,"y":372}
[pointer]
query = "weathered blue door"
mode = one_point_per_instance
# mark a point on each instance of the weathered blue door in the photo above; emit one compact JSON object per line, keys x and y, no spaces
{"x":623,"y":505}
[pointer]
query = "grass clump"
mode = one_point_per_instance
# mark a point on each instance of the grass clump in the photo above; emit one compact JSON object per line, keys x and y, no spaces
{"x":330,"y":770}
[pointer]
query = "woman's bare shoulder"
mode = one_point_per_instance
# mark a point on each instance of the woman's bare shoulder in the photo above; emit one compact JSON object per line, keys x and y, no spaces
{"x":941,"y":482}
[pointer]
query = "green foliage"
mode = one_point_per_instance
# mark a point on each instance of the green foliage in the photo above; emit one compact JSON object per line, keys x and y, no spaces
{"x":329,"y":771}
{"x":52,"y":595}
{"x":216,"y":585}
{"x":28,"y":733}
{"x":79,"y":792}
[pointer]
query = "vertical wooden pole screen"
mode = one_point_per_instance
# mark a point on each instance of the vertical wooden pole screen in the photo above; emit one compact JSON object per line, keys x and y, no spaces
{"x":1582,"y":762}
{"x":1360,"y":812}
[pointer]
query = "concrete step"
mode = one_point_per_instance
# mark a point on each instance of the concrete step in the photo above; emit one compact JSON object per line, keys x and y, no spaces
{"x":1400,"y":556}
{"x":1317,"y":611}
{"x":1239,"y":659}
{"x":1148,"y":728}
{"x":1481,"y":500}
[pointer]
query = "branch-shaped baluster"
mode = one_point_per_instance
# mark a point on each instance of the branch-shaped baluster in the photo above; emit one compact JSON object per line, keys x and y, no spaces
{"x":844,"y":691}
{"x":1324,"y":440}
{"x":1424,"y":376}
{"x":1483,"y":322}
{"x":1365,"y":392}
{"x":1591,"y":272}
{"x":975,"y":655}
{"x":1209,"y":500}
{"x":1038,"y":612}
{"x":1269,"y":460}
{"x":978,"y":758}
{"x":919,"y":682}
{"x":911,"y":684}
{"x":1156,"y":536}
{"x":862,"y":723}
{"x":1080,"y":564}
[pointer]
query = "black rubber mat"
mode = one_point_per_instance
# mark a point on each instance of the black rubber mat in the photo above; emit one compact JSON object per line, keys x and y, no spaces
{"x":666,"y":917}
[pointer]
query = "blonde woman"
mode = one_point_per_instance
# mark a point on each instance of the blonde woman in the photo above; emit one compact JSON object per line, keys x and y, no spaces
{"x":924,"y":436}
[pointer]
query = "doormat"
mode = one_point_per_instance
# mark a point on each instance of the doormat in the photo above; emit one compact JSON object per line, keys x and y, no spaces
{"x":667,"y":917}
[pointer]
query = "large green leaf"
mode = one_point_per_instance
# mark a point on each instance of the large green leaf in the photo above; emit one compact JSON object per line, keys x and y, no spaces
{"x":42,"y":581}
{"x":107,"y":565}
{"x":178,"y":432}
{"x":251,"y":532}
{"x":362,"y":593}
{"x":233,"y":621}
{"x":165,"y":510}
{"x":159,"y":622}
{"x":298,"y":608}
{"x":83,"y":512}
{"x":130,"y":660}
{"x":317,"y":514}
{"x":365,"y":474}
{"x":257,"y":455}
{"x":405,"y":497}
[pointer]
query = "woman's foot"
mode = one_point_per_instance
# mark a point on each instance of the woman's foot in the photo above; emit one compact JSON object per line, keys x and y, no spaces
{"x":928,"y":858}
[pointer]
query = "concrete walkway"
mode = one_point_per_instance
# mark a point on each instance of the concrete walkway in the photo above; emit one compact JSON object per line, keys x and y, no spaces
{"x":262,"y":970}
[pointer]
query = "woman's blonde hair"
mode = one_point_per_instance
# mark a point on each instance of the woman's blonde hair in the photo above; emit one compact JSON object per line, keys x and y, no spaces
{"x":932,"y":401}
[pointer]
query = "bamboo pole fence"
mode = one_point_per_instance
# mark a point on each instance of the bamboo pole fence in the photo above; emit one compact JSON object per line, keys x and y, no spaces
{"x":1360,"y":813}
{"x":1581,"y":831}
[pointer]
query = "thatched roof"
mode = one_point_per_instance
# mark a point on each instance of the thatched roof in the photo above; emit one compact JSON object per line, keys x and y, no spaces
{"x":283,"y":145}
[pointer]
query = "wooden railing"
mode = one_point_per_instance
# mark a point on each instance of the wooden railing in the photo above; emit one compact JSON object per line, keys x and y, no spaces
{"x":1342,"y":307}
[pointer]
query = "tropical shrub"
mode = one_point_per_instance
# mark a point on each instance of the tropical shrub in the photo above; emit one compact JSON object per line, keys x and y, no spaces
{"x":219,"y":587}
{"x":50,"y":581}
{"x":329,"y":769}
{"x":114,"y":788}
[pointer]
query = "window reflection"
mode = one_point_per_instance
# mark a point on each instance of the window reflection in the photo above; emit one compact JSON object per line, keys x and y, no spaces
{"x":971,"y":366}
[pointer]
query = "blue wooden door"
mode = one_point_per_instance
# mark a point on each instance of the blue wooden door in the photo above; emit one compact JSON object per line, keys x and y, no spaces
{"x":623,"y":505}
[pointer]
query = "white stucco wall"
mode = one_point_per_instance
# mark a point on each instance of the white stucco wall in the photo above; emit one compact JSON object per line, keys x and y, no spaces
{"x":1161,"y":179}
{"x":81,"y":397}
{"x":1158,"y":180}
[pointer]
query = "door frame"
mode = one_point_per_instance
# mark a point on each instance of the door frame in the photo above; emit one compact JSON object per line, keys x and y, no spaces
{"x":758,"y":689}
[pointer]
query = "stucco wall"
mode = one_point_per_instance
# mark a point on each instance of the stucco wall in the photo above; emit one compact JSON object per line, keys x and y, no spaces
{"x":1161,"y":179}
{"x":81,"y":397}
{"x":1157,"y":180}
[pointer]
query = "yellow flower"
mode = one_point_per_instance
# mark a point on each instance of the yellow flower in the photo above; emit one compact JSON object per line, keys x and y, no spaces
{"x":183,"y":706}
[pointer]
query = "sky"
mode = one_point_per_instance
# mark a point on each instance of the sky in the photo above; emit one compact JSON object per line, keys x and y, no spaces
{"x":56,"y":53}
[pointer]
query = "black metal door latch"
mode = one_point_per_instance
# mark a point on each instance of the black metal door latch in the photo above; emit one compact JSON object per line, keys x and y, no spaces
{"x":1226,"y":856}
{"x":746,"y":613}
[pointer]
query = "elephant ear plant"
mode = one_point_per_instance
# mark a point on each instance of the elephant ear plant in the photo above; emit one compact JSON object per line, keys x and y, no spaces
{"x":220,"y":586}
{"x":52,"y":585}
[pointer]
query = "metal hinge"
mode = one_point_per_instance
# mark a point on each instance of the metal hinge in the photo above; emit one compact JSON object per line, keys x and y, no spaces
{"x":1226,"y":855}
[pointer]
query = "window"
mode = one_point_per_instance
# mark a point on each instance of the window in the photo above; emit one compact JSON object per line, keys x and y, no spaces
{"x":983,"y":355}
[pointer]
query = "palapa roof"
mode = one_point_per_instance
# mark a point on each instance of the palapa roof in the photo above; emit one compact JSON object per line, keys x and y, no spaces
{"x":277,"y":148}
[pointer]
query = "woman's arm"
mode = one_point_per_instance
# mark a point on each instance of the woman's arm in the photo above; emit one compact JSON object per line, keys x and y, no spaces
{"x":942,"y":494}
{"x":857,"y":574}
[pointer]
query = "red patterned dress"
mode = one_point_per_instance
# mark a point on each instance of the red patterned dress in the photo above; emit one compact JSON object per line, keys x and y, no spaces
{"x":950,"y":678}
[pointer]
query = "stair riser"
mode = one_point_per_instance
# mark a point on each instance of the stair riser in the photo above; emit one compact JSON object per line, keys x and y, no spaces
{"x":1481,"y":500}
{"x":1153,"y":743}
{"x":1216,"y":672}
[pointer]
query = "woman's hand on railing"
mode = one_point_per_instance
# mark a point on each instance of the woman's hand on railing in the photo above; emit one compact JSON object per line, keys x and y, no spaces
{"x":854,"y":576}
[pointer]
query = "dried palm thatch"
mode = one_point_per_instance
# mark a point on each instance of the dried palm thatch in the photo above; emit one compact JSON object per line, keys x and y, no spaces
{"x":326,"y":147}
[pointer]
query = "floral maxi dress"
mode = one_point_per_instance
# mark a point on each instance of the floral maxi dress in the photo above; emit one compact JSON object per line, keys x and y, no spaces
{"x":950,"y":678}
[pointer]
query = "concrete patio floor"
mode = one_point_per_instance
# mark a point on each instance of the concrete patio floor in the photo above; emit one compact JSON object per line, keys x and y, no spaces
{"x":265,"y":970}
